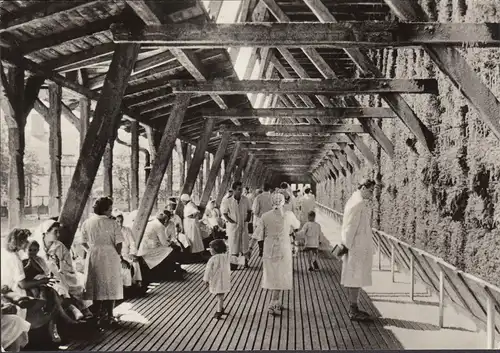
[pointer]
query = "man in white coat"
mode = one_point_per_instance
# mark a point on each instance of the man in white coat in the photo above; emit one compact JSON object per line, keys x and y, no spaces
{"x":237,"y":211}
{"x":357,"y":238}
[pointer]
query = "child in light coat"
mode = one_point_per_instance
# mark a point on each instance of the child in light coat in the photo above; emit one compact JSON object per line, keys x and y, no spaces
{"x":311,"y":233}
{"x":218,"y":274}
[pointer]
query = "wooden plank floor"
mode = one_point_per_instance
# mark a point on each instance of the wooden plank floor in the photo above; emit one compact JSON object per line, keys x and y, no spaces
{"x":178,"y":316}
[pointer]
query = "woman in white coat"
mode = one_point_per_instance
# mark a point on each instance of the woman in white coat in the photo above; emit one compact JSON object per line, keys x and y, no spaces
{"x":357,"y":238}
{"x":277,"y":256}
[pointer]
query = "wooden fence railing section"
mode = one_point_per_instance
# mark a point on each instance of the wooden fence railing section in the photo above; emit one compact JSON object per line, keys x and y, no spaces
{"x":470,"y":295}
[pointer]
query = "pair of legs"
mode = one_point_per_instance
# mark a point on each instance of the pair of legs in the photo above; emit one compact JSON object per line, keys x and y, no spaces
{"x":220,"y":306}
{"x":104,"y":310}
{"x":354,"y":312}
{"x":312,"y":256}
{"x":275,"y":305}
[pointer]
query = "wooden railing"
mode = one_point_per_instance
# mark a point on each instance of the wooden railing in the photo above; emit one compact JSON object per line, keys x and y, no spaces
{"x":473,"y":296}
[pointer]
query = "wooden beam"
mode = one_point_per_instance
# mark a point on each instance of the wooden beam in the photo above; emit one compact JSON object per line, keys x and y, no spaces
{"x":301,"y":140}
{"x":296,"y":129}
{"x":40,"y":11}
{"x":394,"y":100}
{"x":55,"y":149}
{"x":311,"y":86}
{"x":214,"y":170}
{"x":199,"y":155}
{"x":334,"y":113}
{"x":100,"y":129}
{"x":160,"y":163}
{"x":134,"y":165}
{"x":283,"y":147}
{"x":365,"y":151}
{"x":311,"y":34}
{"x":451,"y":62}
{"x":349,"y":151}
{"x":227,"y":174}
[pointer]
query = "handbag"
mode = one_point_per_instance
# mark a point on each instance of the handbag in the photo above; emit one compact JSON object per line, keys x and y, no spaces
{"x":250,"y":227}
{"x":339,"y":250}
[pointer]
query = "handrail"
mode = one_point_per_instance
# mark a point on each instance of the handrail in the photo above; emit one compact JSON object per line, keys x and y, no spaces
{"x":477,"y":298}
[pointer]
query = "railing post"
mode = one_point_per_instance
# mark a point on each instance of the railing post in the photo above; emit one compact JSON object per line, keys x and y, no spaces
{"x":441,"y":298}
{"x":392,"y":262}
{"x":412,"y":277}
{"x":490,"y":322}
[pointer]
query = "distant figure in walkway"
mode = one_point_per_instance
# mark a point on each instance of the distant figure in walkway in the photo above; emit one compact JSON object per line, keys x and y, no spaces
{"x":217,"y":275}
{"x":237,"y":212}
{"x":357,"y":238}
{"x":171,"y":207}
{"x":277,"y":256}
{"x":103,"y":238}
{"x":307,"y":204}
{"x":191,"y":225}
{"x":311,"y":233}
{"x":261,"y":205}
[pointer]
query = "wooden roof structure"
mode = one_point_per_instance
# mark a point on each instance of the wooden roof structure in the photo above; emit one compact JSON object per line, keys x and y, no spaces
{"x":57,"y":39}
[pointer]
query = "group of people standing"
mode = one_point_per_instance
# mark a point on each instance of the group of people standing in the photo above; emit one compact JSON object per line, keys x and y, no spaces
{"x":273,"y":215}
{"x":275,"y":221}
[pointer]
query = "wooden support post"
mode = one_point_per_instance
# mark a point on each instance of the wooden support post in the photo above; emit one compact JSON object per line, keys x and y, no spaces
{"x":441,"y":298}
{"x":107,"y":161}
{"x":134,"y":164}
{"x":243,"y":162}
{"x":55,"y":149}
{"x":197,"y":160}
{"x":188,"y":155}
{"x":170,"y":177}
{"x":105,"y":120}
{"x":490,"y":320}
{"x":19,"y":101}
{"x":85,"y":112}
{"x":412,"y":277}
{"x":393,"y":255}
{"x":179,"y":148}
{"x":379,"y":254}
{"x":227,"y":174}
{"x":160,"y":163}
{"x":248,"y":167}
{"x":214,"y":170}
{"x":208,"y":164}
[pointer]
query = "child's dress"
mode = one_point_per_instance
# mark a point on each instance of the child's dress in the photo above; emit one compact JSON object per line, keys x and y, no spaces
{"x":311,"y":233}
{"x":218,"y":274}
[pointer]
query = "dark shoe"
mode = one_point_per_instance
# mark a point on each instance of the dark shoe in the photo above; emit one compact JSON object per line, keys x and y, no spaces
{"x":246,"y":263}
{"x":360,"y":316}
{"x":311,"y":268}
{"x":218,"y":315}
{"x":234,"y":267}
{"x":315,"y":264}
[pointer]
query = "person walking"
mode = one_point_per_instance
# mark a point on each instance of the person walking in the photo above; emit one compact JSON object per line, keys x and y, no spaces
{"x":277,"y":256}
{"x":237,"y":212}
{"x":357,"y":238}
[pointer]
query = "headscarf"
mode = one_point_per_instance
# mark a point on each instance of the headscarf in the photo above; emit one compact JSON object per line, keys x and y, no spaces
{"x":278,"y":201}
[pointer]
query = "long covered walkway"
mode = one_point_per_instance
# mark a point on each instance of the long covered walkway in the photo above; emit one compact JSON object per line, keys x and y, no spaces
{"x":178,"y":316}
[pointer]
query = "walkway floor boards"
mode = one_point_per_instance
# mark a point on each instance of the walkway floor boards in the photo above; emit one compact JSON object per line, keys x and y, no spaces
{"x":179,"y":316}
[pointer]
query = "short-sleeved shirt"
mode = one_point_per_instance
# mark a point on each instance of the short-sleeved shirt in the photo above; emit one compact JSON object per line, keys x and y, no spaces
{"x":262,"y":204}
{"x":311,"y":231}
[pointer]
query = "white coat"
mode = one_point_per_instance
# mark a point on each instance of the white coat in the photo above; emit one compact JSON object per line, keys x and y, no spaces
{"x":357,"y":237}
{"x":237,"y":233}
